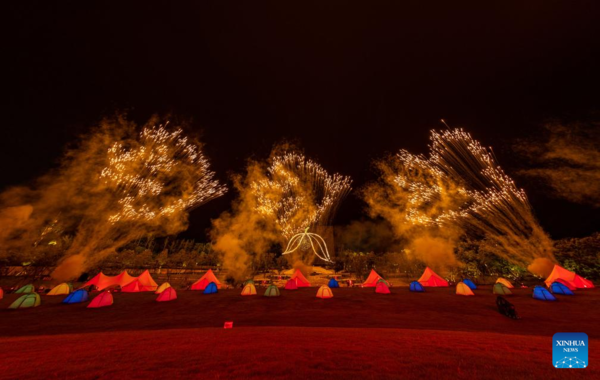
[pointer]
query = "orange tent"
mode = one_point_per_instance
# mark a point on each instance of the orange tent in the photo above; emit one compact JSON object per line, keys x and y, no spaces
{"x":301,"y":281}
{"x":571,"y":278}
{"x":291,"y":284}
{"x":324,"y":292}
{"x":463,"y":289}
{"x":249,"y":290}
{"x":372,"y":279}
{"x":133,"y":287}
{"x":205,"y":280}
{"x":102,"y":281}
{"x":382,"y":288}
{"x":169,"y":294}
{"x":505,"y":282}
{"x":430,"y":278}
{"x":147,"y":283}
{"x":101,"y":300}
{"x":162,"y":288}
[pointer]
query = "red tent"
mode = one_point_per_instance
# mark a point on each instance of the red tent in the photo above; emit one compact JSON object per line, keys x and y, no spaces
{"x":133,"y":287}
{"x":102,"y":281}
{"x":372,"y":279}
{"x":291,"y":284}
{"x":301,"y":281}
{"x":147,"y":283}
{"x":169,"y":294}
{"x":205,"y":280}
{"x":430,"y":278}
{"x":382,"y":288}
{"x":572,"y":278}
{"x":101,"y":300}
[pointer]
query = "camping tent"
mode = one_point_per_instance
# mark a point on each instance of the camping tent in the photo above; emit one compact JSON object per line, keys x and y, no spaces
{"x":372,"y":279}
{"x":558,"y":288}
{"x":77,"y":296}
{"x":291,"y":284}
{"x":251,"y":281}
{"x":29,"y":288}
{"x":301,"y":281}
{"x":430,"y":278}
{"x":162,"y":287}
{"x":272,"y":291}
{"x":569,"y":277}
{"x":211,"y":288}
{"x":249,"y":290}
{"x":463,"y":290}
{"x":541,"y":293}
{"x":102,"y":281}
{"x":382,"y":288}
{"x":1,"y":293}
{"x":27,"y":300}
{"x":333,"y":283}
{"x":416,"y":286}
{"x":60,"y":289}
{"x":101,"y":300}
{"x":324,"y":292}
{"x":147,"y":283}
{"x":169,"y":294}
{"x":206,"y":279}
{"x":565,"y":283}
{"x":133,"y":287}
{"x":470,"y":284}
{"x":500,"y":288}
{"x":504,"y":282}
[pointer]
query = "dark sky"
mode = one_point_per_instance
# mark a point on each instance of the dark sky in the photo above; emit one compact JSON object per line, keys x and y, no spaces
{"x":348,"y":82}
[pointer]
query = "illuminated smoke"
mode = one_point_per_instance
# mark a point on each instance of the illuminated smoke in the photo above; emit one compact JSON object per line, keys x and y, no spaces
{"x":568,"y":160}
{"x":116,"y":186}
{"x":459,"y":189}
{"x":277,"y":199}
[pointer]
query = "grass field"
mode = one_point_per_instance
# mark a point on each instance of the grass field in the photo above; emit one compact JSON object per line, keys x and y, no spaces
{"x":355,"y":335}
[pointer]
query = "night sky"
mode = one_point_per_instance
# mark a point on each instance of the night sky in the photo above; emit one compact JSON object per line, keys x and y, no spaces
{"x":348,"y":83}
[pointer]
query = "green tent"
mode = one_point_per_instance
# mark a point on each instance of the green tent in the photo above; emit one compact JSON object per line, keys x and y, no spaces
{"x":501,"y":289}
{"x":272,"y":291}
{"x":249,"y":282}
{"x":26,"y":289}
{"x":27,"y":300}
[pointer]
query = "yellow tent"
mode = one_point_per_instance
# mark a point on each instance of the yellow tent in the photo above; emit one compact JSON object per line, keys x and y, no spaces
{"x":60,"y":289}
{"x":463,"y":290}
{"x":162,"y":287}
{"x":504,"y":282}
{"x":324,"y":292}
{"x":249,"y":290}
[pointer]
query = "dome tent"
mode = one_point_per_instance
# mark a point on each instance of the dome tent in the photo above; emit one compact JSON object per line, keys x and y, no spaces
{"x":501,"y":289}
{"x":382,"y":288}
{"x":324,"y":292}
{"x":249,"y":290}
{"x":542,"y":294}
{"x":291,"y":284}
{"x":333,"y":283}
{"x":101,"y":300}
{"x":558,"y":288}
{"x":205,"y":280}
{"x":77,"y":296}
{"x":250,"y":281}
{"x":571,"y":278}
{"x":169,"y":294}
{"x":463,"y":290}
{"x":416,"y":286}
{"x":60,"y":289}
{"x":25,"y":301}
{"x":272,"y":291}
{"x":211,"y":288}
{"x":470,"y":284}
{"x":29,"y":288}
{"x":504,"y":282}
{"x":162,"y":287}
{"x":371,"y":281}
{"x":430,"y":278}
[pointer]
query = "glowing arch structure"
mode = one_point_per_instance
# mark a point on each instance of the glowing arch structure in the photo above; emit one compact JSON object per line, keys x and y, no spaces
{"x":316,"y":243}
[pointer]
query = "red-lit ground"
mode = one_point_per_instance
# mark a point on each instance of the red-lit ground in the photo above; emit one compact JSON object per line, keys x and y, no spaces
{"x":357,"y":334}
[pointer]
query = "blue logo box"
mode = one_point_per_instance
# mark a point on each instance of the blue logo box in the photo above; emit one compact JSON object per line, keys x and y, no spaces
{"x":570,"y":350}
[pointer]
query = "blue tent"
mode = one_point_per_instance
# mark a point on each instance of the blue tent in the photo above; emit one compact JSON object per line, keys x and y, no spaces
{"x":558,"y":288}
{"x":333,"y":283}
{"x":541,"y":293}
{"x":416,"y":286}
{"x":470,"y":284}
{"x":77,"y":296}
{"x":211,"y":288}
